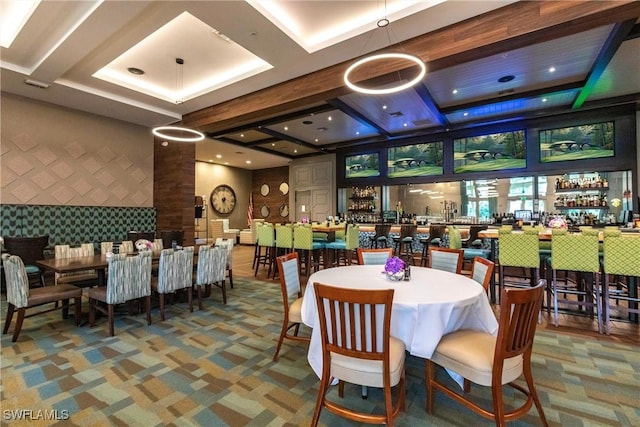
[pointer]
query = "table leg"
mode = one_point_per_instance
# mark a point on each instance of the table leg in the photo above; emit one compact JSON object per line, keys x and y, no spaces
{"x":102,"y":280}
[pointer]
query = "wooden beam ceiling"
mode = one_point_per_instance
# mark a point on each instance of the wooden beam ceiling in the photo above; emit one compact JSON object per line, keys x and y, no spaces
{"x":511,"y":27}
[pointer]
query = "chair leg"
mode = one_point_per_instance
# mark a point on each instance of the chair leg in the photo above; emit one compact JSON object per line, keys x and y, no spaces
{"x":65,"y":308}
{"x":92,"y":312}
{"x":532,"y":390}
{"x":19,"y":320}
{"x":189,"y":291}
{"x":147,"y":301}
{"x":281,"y":339}
{"x":324,"y":384}
{"x":223,"y":286}
{"x":111,"y":319}
{"x":7,"y":322}
{"x":429,"y":373}
{"x":77,"y":306}
{"x":200,"y":298}
{"x":231,"y":278}
{"x":161,"y":303}
{"x":554,"y":282}
{"x":498,"y":405}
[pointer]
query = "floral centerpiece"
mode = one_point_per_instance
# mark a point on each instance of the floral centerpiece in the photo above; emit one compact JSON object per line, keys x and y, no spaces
{"x":557,"y":222}
{"x":394,"y":268}
{"x":144,"y":245}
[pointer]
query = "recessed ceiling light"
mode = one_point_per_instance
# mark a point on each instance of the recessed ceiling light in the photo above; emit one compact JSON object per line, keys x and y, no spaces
{"x":295,"y":151}
{"x":507,"y":78}
{"x":226,"y":163}
{"x":455,"y":91}
{"x":286,"y":128}
{"x":405,"y":124}
{"x":248,"y":162}
{"x":165,"y":144}
{"x":136,"y":71}
{"x":273,"y":144}
{"x":242,"y":135}
{"x":218,"y":156}
{"x":316,"y":140}
{"x":552,"y":69}
{"x":210,"y":160}
{"x":465,"y":114}
{"x":329,"y":118}
{"x":384,"y":107}
{"x":544,"y":99}
{"x":358,"y":133}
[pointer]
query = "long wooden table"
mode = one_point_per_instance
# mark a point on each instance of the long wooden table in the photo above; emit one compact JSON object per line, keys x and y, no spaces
{"x":98,"y":263}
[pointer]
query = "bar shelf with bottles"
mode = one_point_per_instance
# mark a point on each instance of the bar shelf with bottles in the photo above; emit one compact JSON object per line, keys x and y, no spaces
{"x":363,"y":200}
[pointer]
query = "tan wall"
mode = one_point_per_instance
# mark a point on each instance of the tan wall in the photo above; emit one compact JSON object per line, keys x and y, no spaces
{"x":57,"y":156}
{"x":208,"y":176}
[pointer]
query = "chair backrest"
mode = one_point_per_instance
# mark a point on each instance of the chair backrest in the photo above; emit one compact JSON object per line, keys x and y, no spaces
{"x":141,"y":235}
{"x":266,"y":235}
{"x":519,"y":310}
{"x":126,"y":247}
{"x":289,"y":273}
{"x":455,"y":238}
{"x":129,"y":277}
{"x":481,"y":271}
{"x":303,"y":237}
{"x":352,"y":238}
{"x":621,"y":254}
{"x":65,"y":251}
{"x":408,"y":230}
{"x":212,"y":265}
{"x":518,"y":248}
{"x":446,"y":259}
{"x":575,"y":252}
{"x":368,"y":256}
{"x":157,"y":246}
{"x":16,"y":279}
{"x":382,"y":230}
{"x":106,"y":247}
{"x":175,"y":269}
{"x":436,"y":231}
{"x":169,"y":236}
{"x":474,"y":230}
{"x":284,"y":236}
{"x":254,"y":228}
{"x":228,"y":245}
{"x":355,"y":323}
{"x":29,"y":249}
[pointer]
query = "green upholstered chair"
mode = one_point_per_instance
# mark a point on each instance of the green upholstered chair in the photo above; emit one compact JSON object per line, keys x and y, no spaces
{"x":175,"y":270}
{"x":455,"y":242}
{"x":304,"y":243}
{"x":85,"y":277}
{"x":621,"y":259}
{"x":374,"y":256}
{"x":267,"y":242}
{"x":346,"y":247}
{"x":211,"y":271}
{"x":518,"y":249}
{"x":284,"y":241}
{"x":228,"y":245}
{"x":446,"y":259}
{"x":21,"y":298}
{"x":129,"y":278}
{"x":289,"y":273}
{"x":578,"y":253}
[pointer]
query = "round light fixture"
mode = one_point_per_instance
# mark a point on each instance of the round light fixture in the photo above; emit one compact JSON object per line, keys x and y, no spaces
{"x":383,"y":56}
{"x":175,"y":133}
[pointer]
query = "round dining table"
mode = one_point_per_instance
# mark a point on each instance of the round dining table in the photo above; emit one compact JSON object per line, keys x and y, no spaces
{"x":430,"y":305}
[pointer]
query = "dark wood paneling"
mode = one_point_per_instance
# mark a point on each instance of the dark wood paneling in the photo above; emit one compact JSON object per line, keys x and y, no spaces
{"x":174,"y":187}
{"x":273,"y":178}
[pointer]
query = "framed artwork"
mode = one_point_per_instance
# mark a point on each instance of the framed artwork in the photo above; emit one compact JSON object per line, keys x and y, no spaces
{"x":362,"y":165}
{"x":415,"y":160}
{"x":493,"y":152}
{"x":582,"y":142}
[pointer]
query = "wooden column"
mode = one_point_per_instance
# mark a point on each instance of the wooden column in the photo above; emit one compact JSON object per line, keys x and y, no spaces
{"x":174,"y":177}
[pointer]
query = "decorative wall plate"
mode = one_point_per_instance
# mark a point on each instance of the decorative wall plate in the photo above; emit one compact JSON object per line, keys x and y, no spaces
{"x":284,"y":188}
{"x":264,"y":211}
{"x":284,"y":210}
{"x":264,"y":190}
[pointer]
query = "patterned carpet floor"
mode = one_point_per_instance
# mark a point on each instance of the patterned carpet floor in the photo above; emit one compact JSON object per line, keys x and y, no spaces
{"x":214,"y":368}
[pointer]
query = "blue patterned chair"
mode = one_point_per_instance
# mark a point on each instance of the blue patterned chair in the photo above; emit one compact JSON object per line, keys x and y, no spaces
{"x":29,"y":249}
{"x":228,"y":245}
{"x":20,"y":297}
{"x":129,"y":278}
{"x":289,"y":273}
{"x":211,"y":270}
{"x":175,"y":272}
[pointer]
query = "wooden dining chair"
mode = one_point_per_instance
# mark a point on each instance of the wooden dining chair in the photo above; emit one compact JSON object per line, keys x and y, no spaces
{"x":446,"y":259}
{"x":21,"y":298}
{"x":493,"y":361}
{"x":481,"y":271}
{"x":129,"y":278}
{"x":357,"y":347}
{"x":289,"y":274}
{"x":368,"y":256}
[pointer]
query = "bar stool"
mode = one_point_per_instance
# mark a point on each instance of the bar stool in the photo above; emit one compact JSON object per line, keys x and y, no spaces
{"x":575,"y":252}
{"x":404,"y":242}
{"x":346,"y":246}
{"x":621,"y":258}
{"x":304,"y":242}
{"x":436,"y":233}
{"x":518,"y":249}
{"x":381,"y":236}
{"x":284,"y":242}
{"x":267,"y":241}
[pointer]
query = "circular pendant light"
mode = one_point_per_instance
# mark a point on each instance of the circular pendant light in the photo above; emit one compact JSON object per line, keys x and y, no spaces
{"x":383,"y":56}
{"x":173,"y":133}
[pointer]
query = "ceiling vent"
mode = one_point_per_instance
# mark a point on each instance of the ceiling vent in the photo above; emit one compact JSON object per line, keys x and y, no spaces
{"x":396,"y":114}
{"x":36,"y":83}
{"x":505,"y":92}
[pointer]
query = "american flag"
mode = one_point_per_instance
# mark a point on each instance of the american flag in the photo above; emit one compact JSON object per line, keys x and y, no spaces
{"x":250,"y":210}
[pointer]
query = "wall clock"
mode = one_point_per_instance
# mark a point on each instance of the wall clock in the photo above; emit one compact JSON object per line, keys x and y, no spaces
{"x":223,"y":199}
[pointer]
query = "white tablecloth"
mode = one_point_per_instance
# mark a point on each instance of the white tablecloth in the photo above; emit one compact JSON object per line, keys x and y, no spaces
{"x":432,"y":304}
